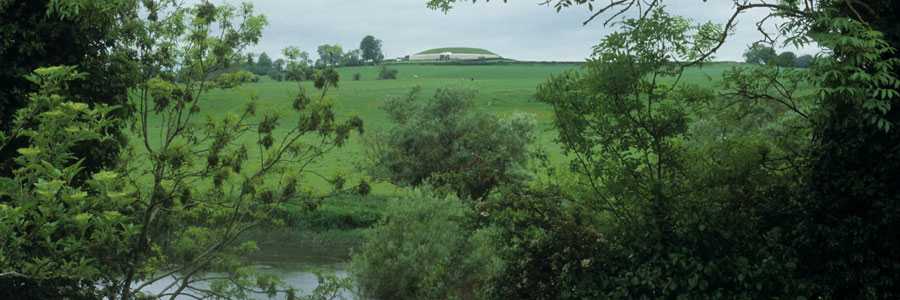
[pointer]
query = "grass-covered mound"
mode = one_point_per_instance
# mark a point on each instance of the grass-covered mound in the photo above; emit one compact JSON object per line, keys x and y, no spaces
{"x":457,"y":50}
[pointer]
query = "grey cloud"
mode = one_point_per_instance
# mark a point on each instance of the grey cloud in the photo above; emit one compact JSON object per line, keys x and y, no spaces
{"x":519,"y":29}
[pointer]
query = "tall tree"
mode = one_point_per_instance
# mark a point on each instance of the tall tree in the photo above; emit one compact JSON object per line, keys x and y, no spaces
{"x":759,"y":54}
{"x":352,"y":58}
{"x":298,"y":66}
{"x":842,"y":237}
{"x":371,"y":49}
{"x":264,"y":61}
{"x":329,"y":55}
{"x":199,"y":184}
{"x":278,"y":65}
{"x":785,"y":59}
{"x":263,"y":65}
{"x":804,"y":61}
{"x":850,"y":198}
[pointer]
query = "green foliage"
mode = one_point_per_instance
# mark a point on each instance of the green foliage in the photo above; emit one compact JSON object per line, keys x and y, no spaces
{"x":446,"y":141}
{"x":624,"y":119}
{"x":859,"y":73}
{"x":92,"y":35}
{"x":278,"y":65}
{"x":60,"y":238}
{"x":669,"y":167}
{"x":425,"y":248}
{"x":850,"y":198}
{"x":298,"y":67}
{"x":371,"y":49}
{"x":759,"y":54}
{"x":387,"y":73}
{"x":550,"y":252}
{"x":356,"y":76}
{"x":342,"y":212}
{"x":352,"y":58}
{"x":329,"y":55}
{"x":761,"y":217}
{"x":264,"y":64}
{"x":804,"y":61}
{"x":785,"y":59}
{"x":328,"y":288}
{"x":197,"y":187}
{"x":275,"y":75}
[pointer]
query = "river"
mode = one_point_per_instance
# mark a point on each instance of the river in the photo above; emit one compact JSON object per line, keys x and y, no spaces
{"x":294,"y":264}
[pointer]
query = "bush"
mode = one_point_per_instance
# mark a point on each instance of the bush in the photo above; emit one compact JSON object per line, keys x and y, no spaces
{"x":356,"y":76}
{"x":548,"y":252}
{"x":61,"y":239}
{"x":276,"y":75}
{"x":446,"y":141}
{"x":386,"y":73}
{"x":693,"y":185}
{"x":423,"y":249}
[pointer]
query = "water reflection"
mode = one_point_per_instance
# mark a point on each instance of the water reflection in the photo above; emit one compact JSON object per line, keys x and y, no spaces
{"x":294,"y":263}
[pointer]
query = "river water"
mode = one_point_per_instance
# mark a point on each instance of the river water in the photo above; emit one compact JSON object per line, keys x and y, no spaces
{"x":294,"y":264}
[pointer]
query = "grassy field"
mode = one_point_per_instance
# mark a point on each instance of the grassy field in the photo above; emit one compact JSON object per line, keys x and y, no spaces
{"x":502,"y":89}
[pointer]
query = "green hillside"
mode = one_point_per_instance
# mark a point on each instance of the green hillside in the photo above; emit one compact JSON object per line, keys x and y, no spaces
{"x":457,"y":50}
{"x":501,"y":89}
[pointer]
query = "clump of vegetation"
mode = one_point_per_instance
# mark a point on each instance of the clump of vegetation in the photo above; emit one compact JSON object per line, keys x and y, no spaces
{"x":555,"y":257}
{"x":781,"y":183}
{"x":43,"y":34}
{"x":276,"y":75}
{"x":356,"y":76}
{"x":164,"y":211}
{"x":52,"y":225}
{"x":387,"y":73}
{"x":667,"y":199}
{"x":425,"y":248}
{"x":762,"y":54}
{"x":444,"y":140}
{"x":370,"y":49}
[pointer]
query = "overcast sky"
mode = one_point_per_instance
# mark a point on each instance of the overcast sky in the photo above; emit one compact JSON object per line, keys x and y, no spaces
{"x":520,"y":29}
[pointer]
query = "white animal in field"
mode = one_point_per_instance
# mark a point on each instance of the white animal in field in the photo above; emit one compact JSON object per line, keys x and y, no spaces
{"x":415,"y":76}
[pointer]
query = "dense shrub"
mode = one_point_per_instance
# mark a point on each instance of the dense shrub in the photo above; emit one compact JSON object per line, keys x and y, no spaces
{"x":386,"y":73}
{"x":91,"y":35}
{"x":61,"y":239}
{"x":692,"y":186}
{"x":424,"y":248}
{"x":276,"y":75}
{"x":356,"y":76}
{"x":549,"y":253}
{"x":341,"y":212}
{"x":446,"y":141}
{"x":846,"y":235}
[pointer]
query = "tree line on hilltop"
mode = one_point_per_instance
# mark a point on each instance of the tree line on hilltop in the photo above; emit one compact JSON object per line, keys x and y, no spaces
{"x":369,"y":53}
{"x":762,"y":54}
